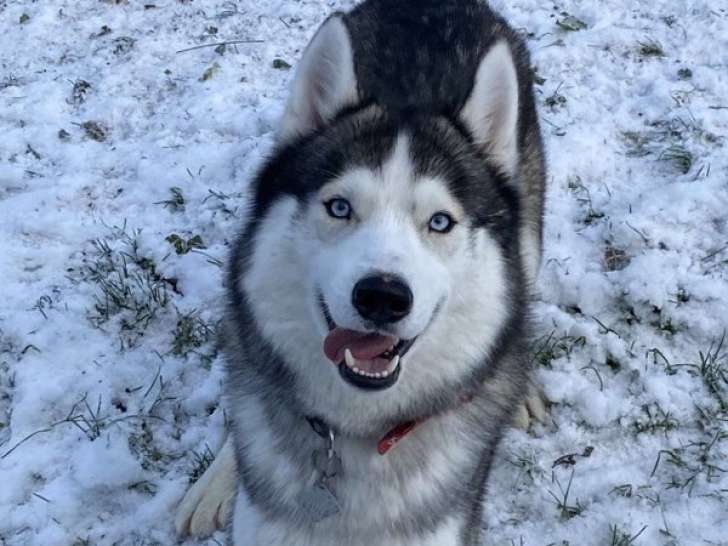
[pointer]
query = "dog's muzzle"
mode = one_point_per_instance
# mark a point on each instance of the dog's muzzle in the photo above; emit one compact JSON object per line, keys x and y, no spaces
{"x":369,"y":360}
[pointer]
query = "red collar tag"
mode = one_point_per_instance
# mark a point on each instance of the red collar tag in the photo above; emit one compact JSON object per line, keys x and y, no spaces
{"x":393,"y":437}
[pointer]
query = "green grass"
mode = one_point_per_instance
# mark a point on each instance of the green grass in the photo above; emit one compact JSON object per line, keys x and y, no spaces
{"x":620,"y":537}
{"x":583,"y":197}
{"x":654,"y":420}
{"x":201,"y":461}
{"x":679,"y":156}
{"x":651,"y":48}
{"x":570,"y":23}
{"x":190,"y":334}
{"x":567,"y":509}
{"x":184,"y":246}
{"x":129,"y":286}
{"x":550,"y":347}
{"x":712,"y":367}
{"x":176,"y":201}
{"x":670,"y":141}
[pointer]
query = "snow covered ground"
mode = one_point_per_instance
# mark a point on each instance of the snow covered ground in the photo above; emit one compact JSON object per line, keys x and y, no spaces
{"x":123,"y":169}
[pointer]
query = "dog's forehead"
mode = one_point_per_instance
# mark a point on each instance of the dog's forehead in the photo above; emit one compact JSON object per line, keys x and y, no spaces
{"x":397,"y":181}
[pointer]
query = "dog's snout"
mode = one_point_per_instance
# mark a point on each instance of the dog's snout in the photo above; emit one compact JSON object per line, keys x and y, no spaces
{"x":382,"y":298}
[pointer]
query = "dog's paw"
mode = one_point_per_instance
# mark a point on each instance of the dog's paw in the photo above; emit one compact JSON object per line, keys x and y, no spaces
{"x":532,"y":409}
{"x":207,"y":505}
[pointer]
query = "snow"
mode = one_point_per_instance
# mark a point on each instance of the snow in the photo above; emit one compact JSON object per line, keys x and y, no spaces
{"x":632,"y":295}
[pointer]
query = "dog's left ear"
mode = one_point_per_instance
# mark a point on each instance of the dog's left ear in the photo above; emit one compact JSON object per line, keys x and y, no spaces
{"x":324,"y":82}
{"x":491,"y":111}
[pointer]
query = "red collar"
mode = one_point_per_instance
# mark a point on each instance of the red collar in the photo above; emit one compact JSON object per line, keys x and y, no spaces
{"x":393,"y":437}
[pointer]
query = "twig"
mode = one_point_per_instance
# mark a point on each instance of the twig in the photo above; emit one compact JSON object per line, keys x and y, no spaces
{"x":231,"y":42}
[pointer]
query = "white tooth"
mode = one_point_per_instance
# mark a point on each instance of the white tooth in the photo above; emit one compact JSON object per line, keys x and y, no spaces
{"x":356,"y":370}
{"x":393,"y":364}
{"x":378,"y":375}
{"x":349,"y":358}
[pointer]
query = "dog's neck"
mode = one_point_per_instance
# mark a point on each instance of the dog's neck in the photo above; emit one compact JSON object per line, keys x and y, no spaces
{"x":393,"y":436}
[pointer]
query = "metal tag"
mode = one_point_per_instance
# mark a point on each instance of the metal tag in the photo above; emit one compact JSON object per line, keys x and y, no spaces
{"x":318,"y":502}
{"x":327,"y":463}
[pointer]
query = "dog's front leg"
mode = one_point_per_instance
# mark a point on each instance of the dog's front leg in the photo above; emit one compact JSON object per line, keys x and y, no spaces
{"x":207,"y":505}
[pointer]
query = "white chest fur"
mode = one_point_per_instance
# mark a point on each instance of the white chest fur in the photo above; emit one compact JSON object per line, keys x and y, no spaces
{"x":374,"y":491}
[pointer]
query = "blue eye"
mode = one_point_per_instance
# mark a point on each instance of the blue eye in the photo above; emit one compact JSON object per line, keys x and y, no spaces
{"x":338,"y":207}
{"x":441,"y":222}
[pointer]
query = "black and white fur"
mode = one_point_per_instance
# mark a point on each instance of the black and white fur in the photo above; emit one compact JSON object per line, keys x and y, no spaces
{"x":405,"y":108}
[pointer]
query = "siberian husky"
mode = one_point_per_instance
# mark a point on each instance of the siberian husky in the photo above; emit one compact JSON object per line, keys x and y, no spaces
{"x":377,"y":326}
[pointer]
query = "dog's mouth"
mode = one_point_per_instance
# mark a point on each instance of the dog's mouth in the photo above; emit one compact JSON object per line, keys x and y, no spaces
{"x":367,"y":360}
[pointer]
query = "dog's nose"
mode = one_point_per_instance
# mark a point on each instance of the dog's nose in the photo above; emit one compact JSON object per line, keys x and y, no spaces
{"x":382,"y":298}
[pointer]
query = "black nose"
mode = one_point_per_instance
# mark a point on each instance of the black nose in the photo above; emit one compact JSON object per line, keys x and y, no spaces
{"x":382,"y":298}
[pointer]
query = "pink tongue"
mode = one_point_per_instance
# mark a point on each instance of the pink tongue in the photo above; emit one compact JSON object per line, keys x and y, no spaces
{"x":362,"y":345}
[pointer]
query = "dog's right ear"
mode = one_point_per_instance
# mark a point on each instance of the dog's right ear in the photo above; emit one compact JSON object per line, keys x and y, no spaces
{"x":324,"y":81}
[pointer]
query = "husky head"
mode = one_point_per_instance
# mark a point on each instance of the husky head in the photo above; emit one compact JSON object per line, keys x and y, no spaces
{"x":380,"y":266}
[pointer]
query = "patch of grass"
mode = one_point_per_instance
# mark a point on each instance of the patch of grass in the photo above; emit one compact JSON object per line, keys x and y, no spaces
{"x":176,"y":202}
{"x":280,"y":64}
{"x":651,"y":48}
{"x":190,"y":334}
{"x":583,"y":196}
{"x":220,"y":201}
{"x":615,"y":259}
{"x":658,"y":357}
{"x":693,"y":460}
{"x":664,"y":323}
{"x":712,"y":367}
{"x":655,"y":420}
{"x":679,"y":156}
{"x":43,"y":303}
{"x":83,"y":415}
{"x":95,"y":130}
{"x":122,"y":45}
{"x":570,"y":23}
{"x":10,"y":81}
{"x":556,"y":100}
{"x":567,"y":510}
{"x":210,"y":73}
{"x":201,"y":461}
{"x":183,"y":246}
{"x":145,"y":487}
{"x":78,"y":93}
{"x":619,"y":537}
{"x":527,"y":465}
{"x":143,"y":445}
{"x":548,"y":348}
{"x":637,"y":143}
{"x":668,"y":140}
{"x":624,"y":490}
{"x":130,"y":287}
{"x":682,"y":296}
